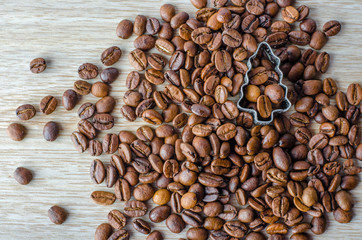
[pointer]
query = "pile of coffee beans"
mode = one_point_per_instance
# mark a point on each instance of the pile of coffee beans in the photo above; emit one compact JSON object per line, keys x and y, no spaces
{"x":205,"y":164}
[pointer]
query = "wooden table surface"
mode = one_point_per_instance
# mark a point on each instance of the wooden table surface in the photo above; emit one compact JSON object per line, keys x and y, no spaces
{"x":68,"y":33}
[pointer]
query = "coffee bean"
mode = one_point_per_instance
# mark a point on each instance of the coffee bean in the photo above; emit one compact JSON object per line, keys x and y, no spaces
{"x":299,"y":38}
{"x":331,"y":28}
{"x":38,"y":65}
{"x":354,"y":94}
{"x":318,"y":40}
{"x":235,"y":228}
{"x":103,"y":121}
{"x":103,"y":231}
{"x":57,"y":214}
{"x":156,"y":61}
{"x":25,"y":112}
{"x":103,"y":198}
{"x":23,"y":175}
{"x":255,"y":7}
{"x":50,"y":131}
{"x":100,"y":89}
{"x":135,"y":209}
{"x":137,"y":59}
{"x":124,"y":29}
{"x":322,"y":62}
{"x":69,"y":99}
{"x":109,"y":75}
{"x":144,"y":42}
{"x":86,"y":110}
{"x":16,"y":131}
{"x":175,"y":223}
{"x":48,"y":104}
{"x":111,"y":55}
{"x":164,"y":46}
{"x":178,"y":19}
{"x":116,"y":219}
{"x":87,"y":71}
{"x":290,"y":14}
{"x":160,"y":213}
{"x":154,"y":76}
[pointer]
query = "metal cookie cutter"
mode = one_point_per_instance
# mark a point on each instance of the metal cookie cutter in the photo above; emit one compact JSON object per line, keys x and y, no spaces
{"x":285,"y":104}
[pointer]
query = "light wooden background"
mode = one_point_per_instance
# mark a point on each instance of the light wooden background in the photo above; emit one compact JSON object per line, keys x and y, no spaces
{"x":68,"y":33}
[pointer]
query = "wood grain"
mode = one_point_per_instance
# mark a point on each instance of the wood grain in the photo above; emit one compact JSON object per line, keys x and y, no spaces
{"x":68,"y":33}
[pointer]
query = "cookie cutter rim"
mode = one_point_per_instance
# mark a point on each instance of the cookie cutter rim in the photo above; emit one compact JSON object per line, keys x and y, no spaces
{"x":276,"y":61}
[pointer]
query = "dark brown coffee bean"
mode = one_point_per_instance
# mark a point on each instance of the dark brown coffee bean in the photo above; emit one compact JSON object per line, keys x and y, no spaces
{"x":303,"y":12}
{"x":25,"y":112}
{"x":277,"y":39}
{"x":318,"y":40}
{"x":69,"y":99}
{"x":116,"y":219}
{"x":250,"y":24}
{"x":129,"y":113}
{"x":103,"y":198}
{"x":23,"y":175}
{"x":322,"y":62}
{"x":255,"y":7}
{"x":119,"y":235}
{"x":80,"y":141}
{"x":144,"y":42}
{"x":153,"y":26}
{"x":141,"y":226}
{"x":175,"y":223}
{"x":48,"y":104}
{"x":135,"y":208}
{"x":86,"y":110}
{"x":299,"y":38}
{"x":160,"y":213}
{"x":154,"y":76}
{"x":280,"y":26}
{"x":111,"y":55}
{"x":88,"y":71}
{"x":201,"y":35}
{"x":50,"y":131}
{"x":103,"y":121}
{"x":235,"y":228}
{"x":82,"y":87}
{"x":124,"y":29}
{"x":331,"y":28}
{"x":105,"y":104}
{"x":57,"y":214}
{"x":38,"y":65}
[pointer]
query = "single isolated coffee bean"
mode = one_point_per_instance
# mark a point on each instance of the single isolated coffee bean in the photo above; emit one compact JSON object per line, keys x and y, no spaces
{"x":23,"y":175}
{"x":124,"y":29}
{"x":87,"y":71}
{"x":16,"y":131}
{"x":25,"y":112}
{"x":48,"y":104}
{"x":51,"y":131}
{"x":111,"y":55}
{"x":38,"y":65}
{"x":57,"y":214}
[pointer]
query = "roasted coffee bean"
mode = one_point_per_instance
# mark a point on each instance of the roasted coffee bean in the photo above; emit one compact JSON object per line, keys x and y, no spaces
{"x":354,"y":94}
{"x":165,"y":46}
{"x":38,"y":65}
{"x":86,"y":128}
{"x":23,"y":175}
{"x":232,"y":38}
{"x":318,"y":40}
{"x":119,"y":235}
{"x":342,"y":216}
{"x":135,"y":208}
{"x":124,"y":29}
{"x":103,"y":231}
{"x":143,"y":106}
{"x":179,"y":19}
{"x":264,"y":106}
{"x":138,"y":60}
{"x":57,"y":214}
{"x":322,"y":62}
{"x":144,"y":42}
{"x":69,"y":99}
{"x":201,"y":35}
{"x":97,"y":171}
{"x":122,"y":190}
{"x":48,"y":104}
{"x":156,"y":61}
{"x":331,"y":28}
{"x":100,"y":89}
{"x":290,"y":14}
{"x":25,"y":112}
{"x":175,"y":223}
{"x":117,"y":219}
{"x":50,"y":131}
{"x":141,"y":226}
{"x":154,"y":76}
{"x":299,"y":38}
{"x":87,"y":71}
{"x":111,"y":55}
{"x":250,"y":24}
{"x":81,"y":87}
{"x":110,"y":143}
{"x":103,"y":198}
{"x":277,"y":39}
{"x":103,"y":121}
{"x":86,"y":111}
{"x":80,"y":141}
